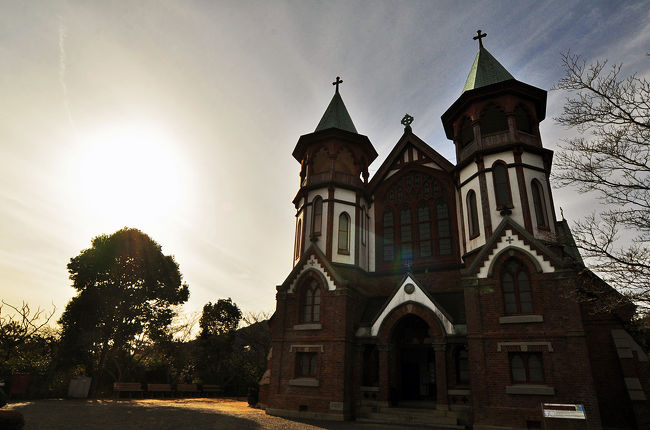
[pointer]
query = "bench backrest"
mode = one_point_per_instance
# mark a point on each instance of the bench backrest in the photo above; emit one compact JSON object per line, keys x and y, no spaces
{"x":127,"y":386}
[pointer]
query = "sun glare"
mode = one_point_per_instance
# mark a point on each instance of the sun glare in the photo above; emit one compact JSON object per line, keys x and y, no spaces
{"x":129,"y":175}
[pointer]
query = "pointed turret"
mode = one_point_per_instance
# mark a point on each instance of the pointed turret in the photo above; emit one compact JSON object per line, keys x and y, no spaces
{"x":336,"y":116}
{"x":485,"y":71}
{"x":334,"y":174}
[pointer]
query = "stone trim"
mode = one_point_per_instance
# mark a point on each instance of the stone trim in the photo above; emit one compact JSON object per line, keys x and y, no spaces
{"x":511,"y":240}
{"x":634,"y":389}
{"x":535,"y":390}
{"x":519,"y":319}
{"x":306,"y":348}
{"x":311,"y":326}
{"x":304,"y":382}
{"x":369,"y":389}
{"x":313,"y":264}
{"x":523,"y":346}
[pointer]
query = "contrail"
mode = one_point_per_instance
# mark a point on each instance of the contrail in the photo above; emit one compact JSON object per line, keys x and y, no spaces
{"x":62,"y":70}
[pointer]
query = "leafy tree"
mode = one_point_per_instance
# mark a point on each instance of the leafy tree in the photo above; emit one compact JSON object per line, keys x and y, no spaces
{"x":610,"y":157}
{"x":127,"y":290}
{"x":220,"y":318}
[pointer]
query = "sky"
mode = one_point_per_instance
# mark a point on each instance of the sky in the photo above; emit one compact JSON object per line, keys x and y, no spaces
{"x":179,"y":117}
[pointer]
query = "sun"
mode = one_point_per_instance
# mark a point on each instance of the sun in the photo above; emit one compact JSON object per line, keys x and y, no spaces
{"x":129,"y":174}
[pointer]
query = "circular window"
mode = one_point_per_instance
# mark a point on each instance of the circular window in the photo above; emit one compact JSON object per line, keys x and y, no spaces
{"x":409,"y":288}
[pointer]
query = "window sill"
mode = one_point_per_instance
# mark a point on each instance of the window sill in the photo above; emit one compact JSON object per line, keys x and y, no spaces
{"x":520,"y":319}
{"x":308,"y":326}
{"x":304,"y":382}
{"x":528,"y":389}
{"x":370,"y":389}
{"x":342,"y":252}
{"x":458,"y":392}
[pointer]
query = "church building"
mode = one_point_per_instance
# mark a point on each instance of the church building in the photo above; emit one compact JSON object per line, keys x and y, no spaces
{"x":446,"y":294}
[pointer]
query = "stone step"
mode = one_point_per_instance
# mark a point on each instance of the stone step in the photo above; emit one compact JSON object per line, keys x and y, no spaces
{"x":426,"y":424}
{"x":403,"y":417}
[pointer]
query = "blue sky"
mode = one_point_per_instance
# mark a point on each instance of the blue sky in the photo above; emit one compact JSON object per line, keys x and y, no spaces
{"x":179,"y":117}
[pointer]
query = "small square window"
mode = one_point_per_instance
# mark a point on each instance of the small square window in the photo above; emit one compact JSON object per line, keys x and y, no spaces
{"x":526,"y":368}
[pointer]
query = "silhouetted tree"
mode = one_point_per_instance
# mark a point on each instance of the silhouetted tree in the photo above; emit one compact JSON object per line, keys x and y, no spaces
{"x":127,"y":290}
{"x":611,"y":157}
{"x":220,"y":318}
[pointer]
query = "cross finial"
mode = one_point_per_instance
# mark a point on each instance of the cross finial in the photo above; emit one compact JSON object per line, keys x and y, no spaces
{"x":337,"y":82}
{"x":406,"y":121}
{"x":478,"y":37}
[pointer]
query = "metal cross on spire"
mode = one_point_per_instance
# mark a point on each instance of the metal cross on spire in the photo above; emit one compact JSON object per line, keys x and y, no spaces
{"x":478,"y":37}
{"x":337,"y":82}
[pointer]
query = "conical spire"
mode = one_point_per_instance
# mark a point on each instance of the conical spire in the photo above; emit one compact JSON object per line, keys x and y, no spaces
{"x":336,"y":115}
{"x":486,"y":70}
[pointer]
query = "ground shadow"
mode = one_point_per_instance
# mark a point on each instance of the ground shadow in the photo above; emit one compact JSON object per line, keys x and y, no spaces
{"x":124,"y":415}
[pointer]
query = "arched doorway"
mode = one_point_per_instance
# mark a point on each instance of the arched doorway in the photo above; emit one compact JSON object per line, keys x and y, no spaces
{"x":414,"y":367}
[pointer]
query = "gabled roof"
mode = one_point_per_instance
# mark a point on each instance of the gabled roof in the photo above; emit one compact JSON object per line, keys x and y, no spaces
{"x":336,"y":116}
{"x":481,"y":266}
{"x":486,"y":70}
{"x":408,"y":138}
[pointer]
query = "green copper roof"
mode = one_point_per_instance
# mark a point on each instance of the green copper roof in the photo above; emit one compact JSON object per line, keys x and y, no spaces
{"x":336,"y":116}
{"x":486,"y":70}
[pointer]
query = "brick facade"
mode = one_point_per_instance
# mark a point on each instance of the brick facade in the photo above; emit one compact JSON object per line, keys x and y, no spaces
{"x":420,"y":317}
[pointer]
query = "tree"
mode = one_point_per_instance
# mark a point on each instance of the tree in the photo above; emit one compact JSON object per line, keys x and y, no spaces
{"x":19,"y":326}
{"x":127,"y":290}
{"x":611,"y":158}
{"x":219,"y":318}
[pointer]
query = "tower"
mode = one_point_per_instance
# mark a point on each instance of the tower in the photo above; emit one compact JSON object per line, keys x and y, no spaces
{"x":503,"y":170}
{"x":331,"y":203}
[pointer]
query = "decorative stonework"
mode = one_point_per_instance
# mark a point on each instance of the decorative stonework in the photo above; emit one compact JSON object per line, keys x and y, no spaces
{"x":511,"y":240}
{"x":417,"y":296}
{"x":313,"y":264}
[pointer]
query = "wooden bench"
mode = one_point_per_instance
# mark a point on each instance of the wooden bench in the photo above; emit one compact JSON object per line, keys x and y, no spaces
{"x":159,"y":388}
{"x":130,"y":387}
{"x":211,"y":388}
{"x":187,"y":389}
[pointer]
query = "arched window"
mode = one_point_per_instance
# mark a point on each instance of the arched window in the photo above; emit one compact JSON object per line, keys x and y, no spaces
{"x":472,"y":215}
{"x":389,"y":235}
{"x":424,"y":230}
{"x":501,"y":185}
{"x":466,"y":132}
{"x":311,"y":303}
{"x":317,"y":219}
{"x":344,"y":233}
{"x":298,"y":244}
{"x":492,"y":120}
{"x":444,"y":229}
{"x":538,"y":203}
{"x":515,"y":285}
{"x":406,"y":233}
{"x":523,"y":120}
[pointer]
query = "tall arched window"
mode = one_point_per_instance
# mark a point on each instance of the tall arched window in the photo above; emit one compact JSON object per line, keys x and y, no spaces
{"x":406,"y":233}
{"x":472,"y":215}
{"x":444,"y":229}
{"x":523,"y":120}
{"x":311,"y":303}
{"x":466,"y":132}
{"x":424,"y":230}
{"x":298,"y":244}
{"x":538,"y":203}
{"x":344,"y":233}
{"x":501,"y":185}
{"x":317,"y":218}
{"x":492,"y":120}
{"x":389,"y":235}
{"x":515,"y":284}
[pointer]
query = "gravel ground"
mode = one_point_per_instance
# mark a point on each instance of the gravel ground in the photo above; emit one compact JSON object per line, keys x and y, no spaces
{"x":162,"y":414}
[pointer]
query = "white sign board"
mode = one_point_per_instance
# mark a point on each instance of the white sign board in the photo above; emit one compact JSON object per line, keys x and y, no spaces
{"x":558,"y":410}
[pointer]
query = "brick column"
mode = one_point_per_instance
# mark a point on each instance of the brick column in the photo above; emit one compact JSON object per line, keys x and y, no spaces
{"x":442,"y":402}
{"x":384,"y":370}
